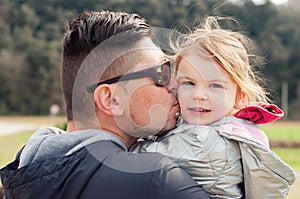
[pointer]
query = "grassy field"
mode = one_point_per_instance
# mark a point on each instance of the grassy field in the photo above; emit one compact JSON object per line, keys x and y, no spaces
{"x":289,"y":131}
{"x":11,"y":144}
{"x":283,"y":130}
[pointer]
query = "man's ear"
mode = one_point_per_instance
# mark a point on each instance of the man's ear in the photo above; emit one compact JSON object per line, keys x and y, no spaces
{"x":107,"y":101}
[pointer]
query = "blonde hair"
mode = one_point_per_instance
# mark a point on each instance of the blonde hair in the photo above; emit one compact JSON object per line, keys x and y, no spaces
{"x":231,"y":51}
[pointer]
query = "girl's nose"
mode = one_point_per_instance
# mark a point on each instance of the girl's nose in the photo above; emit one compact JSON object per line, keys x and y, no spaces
{"x":201,"y":94}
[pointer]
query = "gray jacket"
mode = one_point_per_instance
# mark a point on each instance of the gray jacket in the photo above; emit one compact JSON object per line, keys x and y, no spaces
{"x":230,"y":159}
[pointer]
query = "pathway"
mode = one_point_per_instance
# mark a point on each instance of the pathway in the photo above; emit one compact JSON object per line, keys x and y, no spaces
{"x":7,"y":128}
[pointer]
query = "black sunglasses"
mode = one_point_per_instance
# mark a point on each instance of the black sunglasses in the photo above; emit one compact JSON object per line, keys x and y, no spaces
{"x":161,"y":75}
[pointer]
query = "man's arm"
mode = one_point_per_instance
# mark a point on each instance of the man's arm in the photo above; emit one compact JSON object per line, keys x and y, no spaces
{"x":171,"y":181}
{"x":181,"y":185}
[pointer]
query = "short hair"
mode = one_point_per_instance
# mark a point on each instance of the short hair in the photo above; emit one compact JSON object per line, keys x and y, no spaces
{"x":87,"y":31}
{"x":229,"y":49}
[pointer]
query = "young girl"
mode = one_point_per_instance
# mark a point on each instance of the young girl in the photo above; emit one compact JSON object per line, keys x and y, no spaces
{"x":218,"y":141}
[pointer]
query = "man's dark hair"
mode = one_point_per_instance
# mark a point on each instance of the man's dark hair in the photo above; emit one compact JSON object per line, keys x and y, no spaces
{"x":87,"y":31}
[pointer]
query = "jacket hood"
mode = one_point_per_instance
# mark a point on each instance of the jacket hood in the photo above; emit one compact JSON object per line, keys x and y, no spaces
{"x":50,"y":142}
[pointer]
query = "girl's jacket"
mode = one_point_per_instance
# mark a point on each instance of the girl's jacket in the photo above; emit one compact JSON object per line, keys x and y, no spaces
{"x":230,"y":158}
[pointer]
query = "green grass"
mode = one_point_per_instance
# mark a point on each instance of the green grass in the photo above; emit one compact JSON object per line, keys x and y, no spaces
{"x":10,"y":145}
{"x":282,"y":131}
{"x":289,"y":155}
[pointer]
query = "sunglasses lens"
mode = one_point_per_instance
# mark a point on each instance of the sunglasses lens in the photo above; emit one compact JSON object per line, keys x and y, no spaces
{"x":163,"y":74}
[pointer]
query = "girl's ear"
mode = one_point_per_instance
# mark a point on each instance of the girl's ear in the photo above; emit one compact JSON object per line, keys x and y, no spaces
{"x":241,"y":100}
{"x":107,"y":101}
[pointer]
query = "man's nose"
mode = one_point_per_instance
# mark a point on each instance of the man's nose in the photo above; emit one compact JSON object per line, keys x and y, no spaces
{"x":173,"y":85}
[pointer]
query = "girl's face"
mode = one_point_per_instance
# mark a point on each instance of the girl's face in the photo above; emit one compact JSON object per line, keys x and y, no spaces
{"x":206,"y":92}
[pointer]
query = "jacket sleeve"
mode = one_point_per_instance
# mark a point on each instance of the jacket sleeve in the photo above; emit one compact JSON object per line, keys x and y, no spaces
{"x":265,"y":174}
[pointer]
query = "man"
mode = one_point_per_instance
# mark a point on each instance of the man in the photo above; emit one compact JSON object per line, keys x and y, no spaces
{"x":117,"y":86}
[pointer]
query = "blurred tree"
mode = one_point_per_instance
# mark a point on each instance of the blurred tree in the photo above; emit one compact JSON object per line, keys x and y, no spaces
{"x":23,"y":15}
{"x":5,"y":39}
{"x":12,"y":81}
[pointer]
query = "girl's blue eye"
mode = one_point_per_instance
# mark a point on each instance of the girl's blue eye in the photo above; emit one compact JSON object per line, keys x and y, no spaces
{"x":188,"y":83}
{"x":216,"y":86}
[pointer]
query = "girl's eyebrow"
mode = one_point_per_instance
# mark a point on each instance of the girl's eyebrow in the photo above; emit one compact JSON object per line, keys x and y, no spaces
{"x":184,"y":77}
{"x":219,"y":81}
